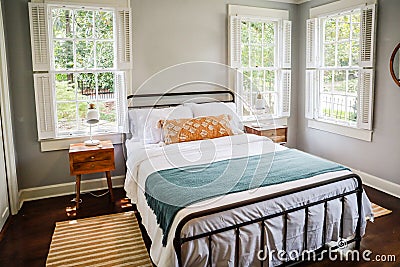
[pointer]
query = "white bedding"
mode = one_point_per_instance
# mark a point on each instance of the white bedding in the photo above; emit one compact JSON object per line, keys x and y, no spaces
{"x":144,"y":160}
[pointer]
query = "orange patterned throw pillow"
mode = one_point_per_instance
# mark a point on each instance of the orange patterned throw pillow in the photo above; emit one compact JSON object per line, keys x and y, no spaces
{"x":184,"y":130}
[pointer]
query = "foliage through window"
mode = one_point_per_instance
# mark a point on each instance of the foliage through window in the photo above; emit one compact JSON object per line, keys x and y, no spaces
{"x":340,"y":69}
{"x":340,"y":62}
{"x":83,"y":67}
{"x":80,"y":55}
{"x":258,"y":49}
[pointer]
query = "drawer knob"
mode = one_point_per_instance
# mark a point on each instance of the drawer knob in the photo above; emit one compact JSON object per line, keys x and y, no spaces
{"x":92,"y":157}
{"x":92,"y":165}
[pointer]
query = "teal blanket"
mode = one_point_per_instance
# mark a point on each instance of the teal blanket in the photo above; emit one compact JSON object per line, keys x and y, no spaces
{"x":168,"y":191}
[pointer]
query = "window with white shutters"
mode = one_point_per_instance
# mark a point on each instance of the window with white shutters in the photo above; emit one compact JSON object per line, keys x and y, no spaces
{"x":80,"y":55}
{"x":340,"y":62}
{"x":260,"y":49}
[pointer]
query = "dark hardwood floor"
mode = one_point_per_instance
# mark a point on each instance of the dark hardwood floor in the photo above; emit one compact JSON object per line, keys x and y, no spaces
{"x":27,"y":238}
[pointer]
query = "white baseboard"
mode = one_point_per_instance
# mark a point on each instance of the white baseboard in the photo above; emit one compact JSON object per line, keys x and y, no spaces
{"x":379,"y":183}
{"x":66,"y":189}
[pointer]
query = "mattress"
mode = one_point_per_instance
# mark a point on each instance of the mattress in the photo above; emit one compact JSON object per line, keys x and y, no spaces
{"x":143,"y":160}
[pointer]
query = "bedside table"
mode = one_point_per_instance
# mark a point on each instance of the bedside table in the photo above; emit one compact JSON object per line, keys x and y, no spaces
{"x":90,"y":159}
{"x":276,"y":133}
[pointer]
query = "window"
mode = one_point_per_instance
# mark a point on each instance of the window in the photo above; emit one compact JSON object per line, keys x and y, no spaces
{"x":85,"y":63}
{"x":260,"y":51}
{"x":339,"y":75}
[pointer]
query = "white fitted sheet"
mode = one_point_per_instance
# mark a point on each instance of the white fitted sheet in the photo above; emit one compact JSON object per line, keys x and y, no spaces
{"x":144,"y":160}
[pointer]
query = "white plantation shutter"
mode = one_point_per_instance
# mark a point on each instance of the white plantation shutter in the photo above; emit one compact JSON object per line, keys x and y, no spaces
{"x":311,"y":88}
{"x":235,"y":42}
{"x":39,"y":37}
{"x":121,"y":102}
{"x":365,"y":99}
{"x":286,"y":44}
{"x":367,"y":36}
{"x":285,"y":87}
{"x":312,"y":43}
{"x":44,"y":106}
{"x":124,"y":38}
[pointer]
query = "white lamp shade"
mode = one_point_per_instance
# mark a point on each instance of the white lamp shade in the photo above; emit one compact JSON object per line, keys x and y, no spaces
{"x":260,"y":103}
{"x":92,"y":116}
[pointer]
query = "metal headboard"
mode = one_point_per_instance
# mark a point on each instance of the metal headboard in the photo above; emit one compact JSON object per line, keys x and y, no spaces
{"x":175,"y":103}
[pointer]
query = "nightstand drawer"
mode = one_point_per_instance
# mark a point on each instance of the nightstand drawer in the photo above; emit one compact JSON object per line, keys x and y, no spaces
{"x":82,"y":167}
{"x":91,"y":156}
{"x":274,"y":133}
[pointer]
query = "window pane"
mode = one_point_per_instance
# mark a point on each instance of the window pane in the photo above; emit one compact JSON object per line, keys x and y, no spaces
{"x":353,"y":82}
{"x":66,"y":117}
{"x":325,"y":105}
{"x":270,"y":80}
{"x":269,"y":33}
{"x":330,"y":30}
{"x":329,"y":55}
{"x":344,"y":27}
{"x":105,"y":54}
{"x":327,"y":85}
{"x":63,"y":55}
{"x":62,"y":23}
{"x":355,"y":20}
{"x":83,"y":23}
{"x":270,"y":103}
{"x":245,"y":55}
{"x":82,"y":111}
{"x":104,"y":24}
{"x":255,"y":56}
{"x":268,"y":57}
{"x":84,"y":54}
{"x":256,"y":32}
{"x":352,"y":109}
{"x":339,"y":107}
{"x":340,"y":81}
{"x":245,"y":32}
{"x":86,"y":86}
{"x":65,"y":86}
{"x":246,"y":81}
{"x":105,"y":87}
{"x":343,"y":54}
{"x":257,"y":80}
{"x":355,"y":53}
{"x":107,"y":115}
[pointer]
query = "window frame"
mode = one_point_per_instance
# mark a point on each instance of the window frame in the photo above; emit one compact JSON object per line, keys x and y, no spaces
{"x":282,"y":58}
{"x":362,"y":129}
{"x":76,"y":71}
{"x":44,"y":70}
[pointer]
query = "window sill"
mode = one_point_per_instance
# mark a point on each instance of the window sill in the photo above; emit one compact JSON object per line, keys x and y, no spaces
{"x":63,"y":143}
{"x":360,"y":134}
{"x":277,"y":121}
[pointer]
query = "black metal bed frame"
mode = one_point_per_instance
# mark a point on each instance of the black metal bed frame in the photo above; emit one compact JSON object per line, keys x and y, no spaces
{"x":178,"y":240}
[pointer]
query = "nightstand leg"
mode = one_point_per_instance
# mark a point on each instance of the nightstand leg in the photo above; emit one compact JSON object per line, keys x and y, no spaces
{"x":78,"y":190}
{"x":109,"y":182}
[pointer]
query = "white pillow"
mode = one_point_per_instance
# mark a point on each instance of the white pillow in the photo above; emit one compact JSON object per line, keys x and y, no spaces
{"x":215,"y":109}
{"x":145,"y":121}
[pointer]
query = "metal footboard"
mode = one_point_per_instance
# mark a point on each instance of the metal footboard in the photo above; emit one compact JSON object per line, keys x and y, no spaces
{"x":179,"y":240}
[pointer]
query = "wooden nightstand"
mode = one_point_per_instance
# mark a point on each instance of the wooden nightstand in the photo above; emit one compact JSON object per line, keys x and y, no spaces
{"x":276,"y":133}
{"x":90,"y":159}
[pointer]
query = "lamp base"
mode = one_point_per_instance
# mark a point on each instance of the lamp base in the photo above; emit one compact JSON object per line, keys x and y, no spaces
{"x":92,"y":142}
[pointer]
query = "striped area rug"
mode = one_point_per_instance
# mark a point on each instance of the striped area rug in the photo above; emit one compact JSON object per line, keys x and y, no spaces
{"x":379,"y":211}
{"x":110,"y":240}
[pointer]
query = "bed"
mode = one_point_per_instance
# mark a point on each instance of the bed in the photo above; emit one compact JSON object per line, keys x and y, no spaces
{"x":265,"y":225}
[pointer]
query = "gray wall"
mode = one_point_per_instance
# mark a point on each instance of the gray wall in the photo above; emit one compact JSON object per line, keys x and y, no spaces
{"x":381,"y":157}
{"x":165,"y":33}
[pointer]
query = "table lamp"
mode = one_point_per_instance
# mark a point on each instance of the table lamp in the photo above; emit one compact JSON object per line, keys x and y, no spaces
{"x":92,"y":117}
